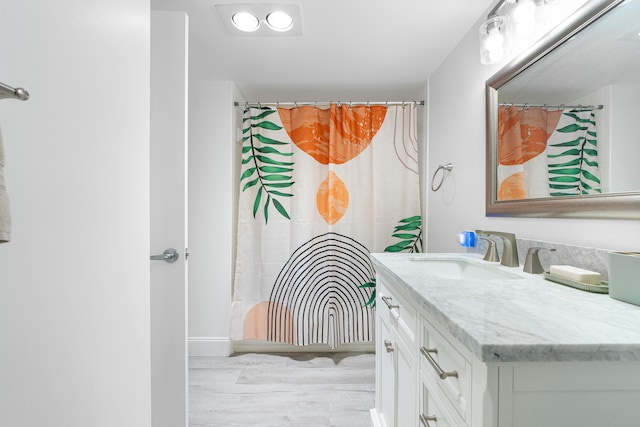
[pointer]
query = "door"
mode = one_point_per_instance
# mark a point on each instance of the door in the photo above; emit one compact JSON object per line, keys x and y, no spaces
{"x":169,"y":406}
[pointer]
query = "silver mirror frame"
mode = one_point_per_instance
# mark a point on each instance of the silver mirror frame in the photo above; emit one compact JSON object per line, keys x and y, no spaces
{"x":608,"y":206}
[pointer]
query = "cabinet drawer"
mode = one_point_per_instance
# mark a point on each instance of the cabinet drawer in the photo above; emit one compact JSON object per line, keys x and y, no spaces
{"x":448,"y":369}
{"x":395,"y":308}
{"x":433,"y":411}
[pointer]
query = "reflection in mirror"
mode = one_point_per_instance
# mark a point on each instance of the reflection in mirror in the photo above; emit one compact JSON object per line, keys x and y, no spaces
{"x":561,"y":120}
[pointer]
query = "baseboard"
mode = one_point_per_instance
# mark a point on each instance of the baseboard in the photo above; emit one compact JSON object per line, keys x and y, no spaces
{"x":254,"y":346}
{"x":209,"y":346}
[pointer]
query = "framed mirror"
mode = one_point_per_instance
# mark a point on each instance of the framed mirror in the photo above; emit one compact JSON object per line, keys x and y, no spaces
{"x":561,"y":120}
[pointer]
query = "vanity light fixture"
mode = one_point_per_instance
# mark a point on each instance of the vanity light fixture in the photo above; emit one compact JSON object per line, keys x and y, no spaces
{"x":492,"y":39}
{"x":509,"y":19}
{"x":522,"y":17}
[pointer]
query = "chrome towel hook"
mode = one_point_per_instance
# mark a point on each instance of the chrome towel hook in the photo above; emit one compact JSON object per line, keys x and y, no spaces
{"x":442,"y":168}
{"x":7,"y":91}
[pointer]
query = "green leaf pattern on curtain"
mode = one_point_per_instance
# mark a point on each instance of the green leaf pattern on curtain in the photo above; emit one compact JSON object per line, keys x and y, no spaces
{"x":409,"y":231}
{"x":573,"y":163}
{"x":264,"y":165}
{"x":372,"y":285}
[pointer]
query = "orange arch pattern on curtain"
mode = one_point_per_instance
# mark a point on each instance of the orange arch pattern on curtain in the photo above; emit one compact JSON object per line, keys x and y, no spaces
{"x":522,"y":135}
{"x":332,"y":136}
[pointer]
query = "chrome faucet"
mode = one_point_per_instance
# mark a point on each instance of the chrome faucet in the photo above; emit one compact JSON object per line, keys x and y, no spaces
{"x":510,"y":249}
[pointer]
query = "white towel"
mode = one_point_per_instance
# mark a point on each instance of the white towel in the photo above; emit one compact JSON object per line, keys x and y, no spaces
{"x":5,"y":217}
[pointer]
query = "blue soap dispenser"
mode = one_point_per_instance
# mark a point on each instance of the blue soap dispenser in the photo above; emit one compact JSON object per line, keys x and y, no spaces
{"x":467,"y":239}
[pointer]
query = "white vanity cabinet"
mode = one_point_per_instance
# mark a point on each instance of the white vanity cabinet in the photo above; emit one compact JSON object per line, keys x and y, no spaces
{"x":396,"y":364}
{"x":447,"y":359}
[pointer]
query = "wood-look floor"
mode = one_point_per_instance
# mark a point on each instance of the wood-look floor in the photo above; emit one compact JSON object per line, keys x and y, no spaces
{"x":282,"y":390}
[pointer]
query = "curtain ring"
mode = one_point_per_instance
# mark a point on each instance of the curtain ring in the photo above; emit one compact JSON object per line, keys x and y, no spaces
{"x":442,"y":168}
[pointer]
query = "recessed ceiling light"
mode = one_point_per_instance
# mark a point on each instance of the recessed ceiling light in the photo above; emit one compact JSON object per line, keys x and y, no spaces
{"x":260,"y":19}
{"x":245,"y":21}
{"x":279,"y":21}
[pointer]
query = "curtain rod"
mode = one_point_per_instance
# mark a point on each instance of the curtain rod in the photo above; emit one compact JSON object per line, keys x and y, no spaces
{"x":324,"y":103}
{"x":7,"y":91}
{"x":585,"y":107}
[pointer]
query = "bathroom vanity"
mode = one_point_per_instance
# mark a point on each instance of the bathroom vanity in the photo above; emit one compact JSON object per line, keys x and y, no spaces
{"x":463,"y":342}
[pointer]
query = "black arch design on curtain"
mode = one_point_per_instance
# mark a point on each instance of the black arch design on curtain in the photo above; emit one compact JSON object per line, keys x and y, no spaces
{"x":316,"y":297}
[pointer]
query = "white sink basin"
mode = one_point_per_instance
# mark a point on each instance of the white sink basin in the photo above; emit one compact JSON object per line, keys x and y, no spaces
{"x":462,"y":269}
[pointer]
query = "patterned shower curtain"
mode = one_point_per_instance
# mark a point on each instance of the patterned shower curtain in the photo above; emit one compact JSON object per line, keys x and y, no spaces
{"x":321,"y":188}
{"x":546,"y":153}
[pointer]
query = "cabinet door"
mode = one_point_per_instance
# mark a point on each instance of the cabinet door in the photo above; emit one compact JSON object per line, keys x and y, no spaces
{"x":406,"y":412}
{"x":387,"y":373}
{"x":433,"y":412}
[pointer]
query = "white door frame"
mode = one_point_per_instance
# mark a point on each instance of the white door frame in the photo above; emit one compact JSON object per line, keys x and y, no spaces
{"x":169,"y":141}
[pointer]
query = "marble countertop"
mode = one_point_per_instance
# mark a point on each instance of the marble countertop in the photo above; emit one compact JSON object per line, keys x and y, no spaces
{"x":525,"y":319}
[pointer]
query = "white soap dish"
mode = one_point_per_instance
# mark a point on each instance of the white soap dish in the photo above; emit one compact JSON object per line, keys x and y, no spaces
{"x":602,"y":288}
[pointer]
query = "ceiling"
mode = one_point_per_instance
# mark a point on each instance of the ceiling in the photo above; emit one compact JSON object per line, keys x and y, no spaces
{"x":348,"y":47}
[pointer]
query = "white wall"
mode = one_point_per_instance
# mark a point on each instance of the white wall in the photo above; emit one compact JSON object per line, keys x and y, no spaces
{"x":212,"y":174}
{"x":74,"y":282}
{"x":456,"y":134}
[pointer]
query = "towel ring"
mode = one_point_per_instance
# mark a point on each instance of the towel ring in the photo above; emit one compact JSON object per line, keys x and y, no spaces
{"x":442,"y":168}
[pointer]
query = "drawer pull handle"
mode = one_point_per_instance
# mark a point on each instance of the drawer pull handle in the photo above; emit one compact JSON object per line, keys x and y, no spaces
{"x":388,"y":345}
{"x":426,"y":352}
{"x":387,"y":300}
{"x":424,"y":419}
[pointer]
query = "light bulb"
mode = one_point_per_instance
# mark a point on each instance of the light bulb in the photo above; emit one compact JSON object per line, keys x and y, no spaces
{"x":279,"y":21}
{"x":495,"y":55}
{"x":522,"y":18}
{"x":524,"y":12}
{"x":244,"y":21}
{"x":494,"y":40}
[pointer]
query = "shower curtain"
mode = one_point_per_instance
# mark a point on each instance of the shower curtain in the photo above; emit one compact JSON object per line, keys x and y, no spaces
{"x":546,"y":153}
{"x":321,"y":188}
